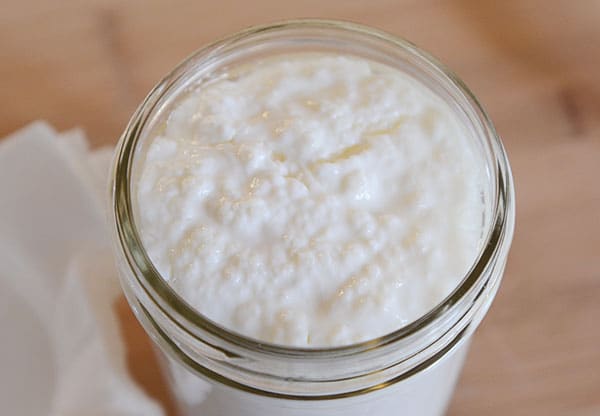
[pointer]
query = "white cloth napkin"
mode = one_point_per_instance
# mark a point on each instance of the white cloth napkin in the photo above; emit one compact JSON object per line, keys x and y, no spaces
{"x":60,"y":348}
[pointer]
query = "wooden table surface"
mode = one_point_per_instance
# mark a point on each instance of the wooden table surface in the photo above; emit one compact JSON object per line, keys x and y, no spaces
{"x":534,"y":64}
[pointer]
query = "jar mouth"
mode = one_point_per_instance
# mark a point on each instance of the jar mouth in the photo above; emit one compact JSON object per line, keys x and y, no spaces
{"x":172,"y":305}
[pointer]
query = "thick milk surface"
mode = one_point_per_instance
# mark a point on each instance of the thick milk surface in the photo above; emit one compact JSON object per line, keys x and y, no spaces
{"x":311,"y":200}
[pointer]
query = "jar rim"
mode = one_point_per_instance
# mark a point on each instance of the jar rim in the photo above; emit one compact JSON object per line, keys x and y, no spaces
{"x":177,"y":309}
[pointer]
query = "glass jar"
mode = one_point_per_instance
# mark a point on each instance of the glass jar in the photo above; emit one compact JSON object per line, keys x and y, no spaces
{"x":411,"y":371}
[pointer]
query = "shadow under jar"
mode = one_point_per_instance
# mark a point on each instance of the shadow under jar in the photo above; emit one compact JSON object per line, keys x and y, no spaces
{"x":214,"y":370}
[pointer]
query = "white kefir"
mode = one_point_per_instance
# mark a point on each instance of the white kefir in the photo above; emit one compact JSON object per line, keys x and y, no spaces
{"x":311,"y":200}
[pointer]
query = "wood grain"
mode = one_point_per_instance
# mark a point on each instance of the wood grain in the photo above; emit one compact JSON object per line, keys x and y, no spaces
{"x":534,"y":64}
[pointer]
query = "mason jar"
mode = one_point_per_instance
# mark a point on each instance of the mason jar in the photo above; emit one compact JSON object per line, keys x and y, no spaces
{"x":214,"y":370}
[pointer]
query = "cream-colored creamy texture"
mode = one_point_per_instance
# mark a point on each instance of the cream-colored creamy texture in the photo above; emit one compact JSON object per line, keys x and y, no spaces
{"x":311,"y":200}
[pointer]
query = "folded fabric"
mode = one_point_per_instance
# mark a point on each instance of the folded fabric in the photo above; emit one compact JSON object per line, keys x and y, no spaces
{"x":61,"y":351}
